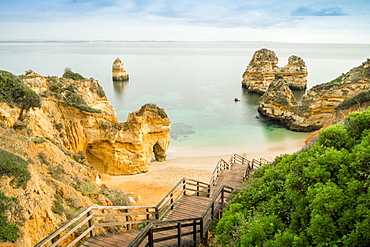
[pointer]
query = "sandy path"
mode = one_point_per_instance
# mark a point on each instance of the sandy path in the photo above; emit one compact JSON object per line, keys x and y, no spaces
{"x":191,"y":163}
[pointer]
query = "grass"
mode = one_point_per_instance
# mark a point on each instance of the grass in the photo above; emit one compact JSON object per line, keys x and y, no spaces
{"x":14,"y":166}
{"x":58,"y":206}
{"x":9,"y":230}
{"x":337,"y":80}
{"x":14,"y":91}
{"x":69,"y":96}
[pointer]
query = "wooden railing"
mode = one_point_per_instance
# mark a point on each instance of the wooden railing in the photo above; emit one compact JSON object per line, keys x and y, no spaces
{"x":197,"y":228}
{"x":221,"y":165}
{"x":93,"y":220}
{"x":86,"y":223}
{"x":186,"y":186}
{"x":252,"y":165}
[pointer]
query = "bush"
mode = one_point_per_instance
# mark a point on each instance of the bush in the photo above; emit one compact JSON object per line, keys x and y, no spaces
{"x":75,"y":100}
{"x":58,"y":206}
{"x":152,"y":106}
{"x":117,"y":196}
{"x":355,"y":100}
{"x":72,"y":75}
{"x":317,"y":197}
{"x":13,"y":91}
{"x":9,"y":230}
{"x":14,"y":166}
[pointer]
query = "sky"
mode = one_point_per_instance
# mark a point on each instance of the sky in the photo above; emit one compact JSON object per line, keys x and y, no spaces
{"x":310,"y":21}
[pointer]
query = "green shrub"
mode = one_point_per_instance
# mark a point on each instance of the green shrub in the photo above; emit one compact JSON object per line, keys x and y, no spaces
{"x":337,"y":80}
{"x":72,"y":75}
{"x":152,"y":106}
{"x":317,"y":197}
{"x":355,"y":100}
{"x":13,"y":91}
{"x":117,"y":196}
{"x":57,"y":205}
{"x":14,"y":166}
{"x":9,"y":230}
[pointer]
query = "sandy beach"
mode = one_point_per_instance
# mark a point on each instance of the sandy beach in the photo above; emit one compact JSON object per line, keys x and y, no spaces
{"x":197,"y":164}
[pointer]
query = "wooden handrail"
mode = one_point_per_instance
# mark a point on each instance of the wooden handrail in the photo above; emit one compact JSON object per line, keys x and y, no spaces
{"x":150,"y":214}
{"x":87,"y":217}
{"x":204,"y":225}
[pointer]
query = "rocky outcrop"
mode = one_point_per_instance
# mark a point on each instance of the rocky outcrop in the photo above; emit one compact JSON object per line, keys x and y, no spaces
{"x":118,"y":72}
{"x":317,"y":105}
{"x":263,"y":67}
{"x":76,"y":115}
{"x":68,"y":132}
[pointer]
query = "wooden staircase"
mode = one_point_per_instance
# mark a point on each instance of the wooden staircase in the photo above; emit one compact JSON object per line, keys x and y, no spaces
{"x":181,"y":218}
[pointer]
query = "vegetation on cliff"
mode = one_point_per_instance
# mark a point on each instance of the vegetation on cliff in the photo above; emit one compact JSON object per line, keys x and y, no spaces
{"x":154,"y":107}
{"x":14,"y":91}
{"x":317,"y":197}
{"x":11,"y":165}
{"x":355,"y":100}
{"x":9,"y":230}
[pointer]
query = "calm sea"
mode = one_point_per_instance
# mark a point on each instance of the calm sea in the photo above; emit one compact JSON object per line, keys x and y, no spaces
{"x":195,"y":82}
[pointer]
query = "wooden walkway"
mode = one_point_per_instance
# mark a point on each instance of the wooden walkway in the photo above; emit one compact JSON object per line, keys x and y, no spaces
{"x":182,"y":218}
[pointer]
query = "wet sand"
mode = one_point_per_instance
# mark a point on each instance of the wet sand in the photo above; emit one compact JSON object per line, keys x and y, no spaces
{"x":197,"y":164}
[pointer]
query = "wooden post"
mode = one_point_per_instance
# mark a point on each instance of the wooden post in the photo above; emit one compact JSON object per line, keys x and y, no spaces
{"x":179,"y":240}
{"x":184,"y":187}
{"x":147,"y":215}
{"x":156,"y":213}
{"x":171,"y":201}
{"x":201,"y":229}
{"x":128,"y":226}
{"x":150,"y":237}
{"x":197,"y":188}
{"x":195,"y":232}
{"x":90,"y":223}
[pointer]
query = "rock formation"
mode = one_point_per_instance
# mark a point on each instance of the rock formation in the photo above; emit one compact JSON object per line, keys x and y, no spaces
{"x":317,"y":105}
{"x":71,"y":130}
{"x":118,"y":72}
{"x":263,"y":67}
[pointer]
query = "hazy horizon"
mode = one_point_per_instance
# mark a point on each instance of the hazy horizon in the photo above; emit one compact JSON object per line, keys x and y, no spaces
{"x":318,"y":21}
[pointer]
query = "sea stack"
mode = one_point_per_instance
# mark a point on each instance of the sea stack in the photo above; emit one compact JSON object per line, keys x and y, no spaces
{"x":263,"y":67}
{"x":118,"y":72}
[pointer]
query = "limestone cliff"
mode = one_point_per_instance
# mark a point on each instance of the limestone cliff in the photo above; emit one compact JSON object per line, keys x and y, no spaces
{"x":263,"y":67}
{"x":118,"y":72}
{"x":66,"y":133}
{"x":76,"y":115}
{"x":317,"y":105}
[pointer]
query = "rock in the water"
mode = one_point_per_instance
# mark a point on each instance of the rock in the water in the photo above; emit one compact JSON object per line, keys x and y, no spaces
{"x":118,"y":72}
{"x":317,"y":105}
{"x":263,"y":67}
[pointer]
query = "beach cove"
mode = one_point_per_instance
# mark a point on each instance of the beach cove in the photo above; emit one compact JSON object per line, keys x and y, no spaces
{"x":149,"y":188}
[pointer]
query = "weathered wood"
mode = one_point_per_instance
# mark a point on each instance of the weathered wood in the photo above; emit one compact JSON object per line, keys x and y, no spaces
{"x":180,"y":204}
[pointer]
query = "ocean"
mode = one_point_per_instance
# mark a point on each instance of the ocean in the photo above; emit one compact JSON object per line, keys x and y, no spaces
{"x":195,"y":82}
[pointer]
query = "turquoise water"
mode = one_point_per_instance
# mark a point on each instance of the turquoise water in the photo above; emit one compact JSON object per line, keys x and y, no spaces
{"x":195,"y":82}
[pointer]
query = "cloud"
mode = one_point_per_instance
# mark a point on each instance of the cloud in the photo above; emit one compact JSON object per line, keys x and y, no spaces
{"x":307,"y":11}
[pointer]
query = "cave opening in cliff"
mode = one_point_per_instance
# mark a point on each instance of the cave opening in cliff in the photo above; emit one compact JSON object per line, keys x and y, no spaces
{"x":159,"y":152}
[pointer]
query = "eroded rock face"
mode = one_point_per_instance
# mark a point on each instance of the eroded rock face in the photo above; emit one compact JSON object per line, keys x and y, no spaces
{"x":118,"y":72}
{"x":73,"y":131}
{"x":263,"y":67}
{"x":111,"y":147}
{"x":317,"y":105}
